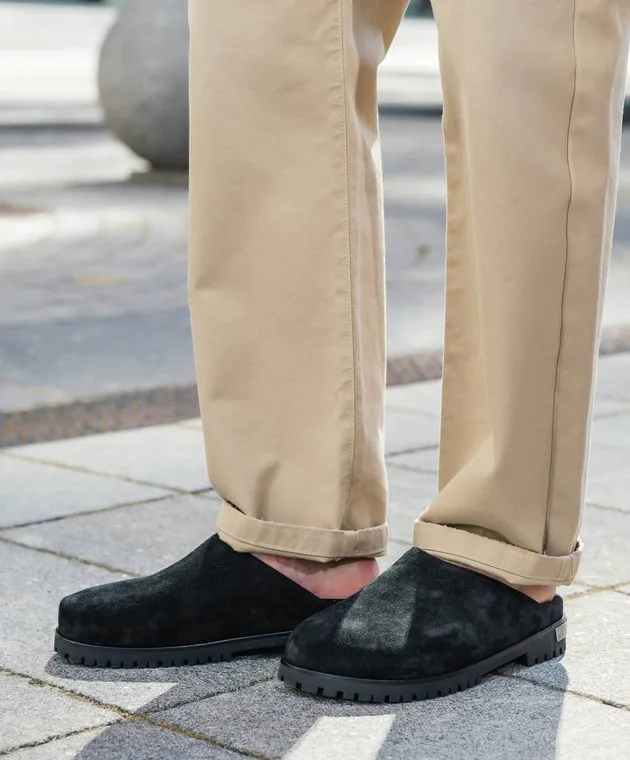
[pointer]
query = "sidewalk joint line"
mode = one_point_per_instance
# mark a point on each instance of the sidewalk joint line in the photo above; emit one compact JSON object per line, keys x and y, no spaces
{"x":410,"y":410}
{"x":152,"y":713}
{"x":552,"y":687}
{"x":70,"y":557}
{"x":608,"y":509}
{"x":412,"y":450}
{"x":145,"y":717}
{"x":409,"y":468}
{"x":88,"y":471}
{"x":57,"y":737}
{"x":593,"y":590}
{"x":209,"y":740}
{"x":84,"y":513}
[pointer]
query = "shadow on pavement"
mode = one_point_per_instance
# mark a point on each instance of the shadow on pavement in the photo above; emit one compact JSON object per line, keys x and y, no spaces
{"x":502,"y":719}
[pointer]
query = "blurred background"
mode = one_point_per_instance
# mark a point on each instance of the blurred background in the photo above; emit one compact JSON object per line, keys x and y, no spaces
{"x":94,"y":328}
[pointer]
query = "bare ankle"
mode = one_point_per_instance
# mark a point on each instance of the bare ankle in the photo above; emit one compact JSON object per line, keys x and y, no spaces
{"x":327,"y":580}
{"x":539,"y":594}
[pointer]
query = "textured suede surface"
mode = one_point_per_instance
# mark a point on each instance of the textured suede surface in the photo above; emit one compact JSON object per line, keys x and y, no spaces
{"x":212,"y":594}
{"x":422,"y":618}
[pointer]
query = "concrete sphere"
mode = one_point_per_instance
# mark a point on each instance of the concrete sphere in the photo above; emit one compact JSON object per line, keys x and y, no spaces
{"x":143,"y":80}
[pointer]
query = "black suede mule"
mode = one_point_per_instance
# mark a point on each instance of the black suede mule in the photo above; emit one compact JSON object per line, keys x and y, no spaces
{"x":207,"y":607}
{"x":424,"y":629}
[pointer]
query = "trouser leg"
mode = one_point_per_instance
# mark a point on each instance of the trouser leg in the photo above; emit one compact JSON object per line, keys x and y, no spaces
{"x":286,"y":270}
{"x":533,"y":104}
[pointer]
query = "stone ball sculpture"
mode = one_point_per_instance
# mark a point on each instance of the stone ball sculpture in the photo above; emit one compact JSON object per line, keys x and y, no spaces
{"x":143,"y":80}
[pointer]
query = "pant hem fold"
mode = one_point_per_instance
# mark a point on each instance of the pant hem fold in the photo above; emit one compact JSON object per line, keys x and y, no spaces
{"x":248,"y":534}
{"x":505,"y":562}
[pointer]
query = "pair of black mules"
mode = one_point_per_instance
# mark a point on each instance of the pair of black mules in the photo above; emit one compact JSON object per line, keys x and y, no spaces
{"x":423,"y":629}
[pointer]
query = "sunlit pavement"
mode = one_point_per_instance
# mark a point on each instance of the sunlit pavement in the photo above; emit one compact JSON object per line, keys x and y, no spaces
{"x":93,"y":510}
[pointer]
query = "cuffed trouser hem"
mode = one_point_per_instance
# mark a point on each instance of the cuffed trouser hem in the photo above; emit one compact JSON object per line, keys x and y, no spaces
{"x":247,"y":534}
{"x":507,"y":563}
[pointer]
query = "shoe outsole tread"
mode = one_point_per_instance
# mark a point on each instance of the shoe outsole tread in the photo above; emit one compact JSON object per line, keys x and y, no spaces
{"x":95,"y":656}
{"x":543,"y":646}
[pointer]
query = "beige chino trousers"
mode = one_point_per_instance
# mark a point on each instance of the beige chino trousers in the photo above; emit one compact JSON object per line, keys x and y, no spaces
{"x":287,"y":281}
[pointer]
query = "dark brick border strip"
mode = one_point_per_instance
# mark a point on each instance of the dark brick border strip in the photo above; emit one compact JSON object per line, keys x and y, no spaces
{"x":124,"y":411}
{"x":161,"y":406}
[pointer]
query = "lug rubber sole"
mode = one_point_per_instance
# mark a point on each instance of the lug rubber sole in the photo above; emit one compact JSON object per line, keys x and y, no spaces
{"x":91,"y":655}
{"x":541,"y":647}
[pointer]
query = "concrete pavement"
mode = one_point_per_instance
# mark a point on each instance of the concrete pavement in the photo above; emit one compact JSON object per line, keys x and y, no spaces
{"x":93,"y":510}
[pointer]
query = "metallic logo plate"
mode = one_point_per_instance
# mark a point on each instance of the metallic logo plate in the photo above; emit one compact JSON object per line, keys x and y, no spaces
{"x":561,"y":631}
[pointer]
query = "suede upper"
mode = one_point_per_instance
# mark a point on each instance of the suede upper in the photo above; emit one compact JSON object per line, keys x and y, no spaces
{"x":423,"y":617}
{"x":212,"y":594}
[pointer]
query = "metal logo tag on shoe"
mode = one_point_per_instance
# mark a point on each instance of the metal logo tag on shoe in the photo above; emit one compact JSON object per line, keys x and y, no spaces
{"x":561,"y":631}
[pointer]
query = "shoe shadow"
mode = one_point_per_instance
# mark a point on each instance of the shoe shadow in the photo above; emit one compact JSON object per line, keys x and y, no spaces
{"x":506,"y":717}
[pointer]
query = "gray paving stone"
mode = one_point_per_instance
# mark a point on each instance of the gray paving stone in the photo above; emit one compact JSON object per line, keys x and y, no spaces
{"x":425,"y":460}
{"x":196,"y":424}
{"x":31,"y":713}
{"x":606,"y":537}
{"x":596,"y":662}
{"x":405,"y":431}
{"x":139,"y":539}
{"x":127,"y":741}
{"x":395,"y":552}
{"x":31,"y":584}
{"x":568,"y":591}
{"x":613,"y":378}
{"x":165,"y":455}
{"x":605,"y":407}
{"x":409,"y":495}
{"x":608,"y":481}
{"x":31,"y":491}
{"x":417,"y":397}
{"x":426,"y":397}
{"x":503,"y":719}
{"x":612,"y":431}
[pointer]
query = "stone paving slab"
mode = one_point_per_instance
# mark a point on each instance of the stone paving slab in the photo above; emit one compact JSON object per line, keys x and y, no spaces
{"x":408,"y":430}
{"x":605,"y":407}
{"x":195,"y":424}
{"x":409,"y":495}
{"x":423,"y":461}
{"x":606,"y":558}
{"x":33,"y":713}
{"x":503,"y":719}
{"x":395,"y":551}
{"x":127,"y":741}
{"x":612,"y":431}
{"x":609,"y":475}
{"x":171,"y":456}
{"x":598,"y":645}
{"x":140,"y":539}
{"x":613,"y":378}
{"x":417,"y":397}
{"x":31,"y":584}
{"x":31,"y":491}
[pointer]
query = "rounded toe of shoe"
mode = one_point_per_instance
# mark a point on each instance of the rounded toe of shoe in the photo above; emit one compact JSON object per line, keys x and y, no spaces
{"x":94,"y":615}
{"x":76,"y":616}
{"x":315,"y":644}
